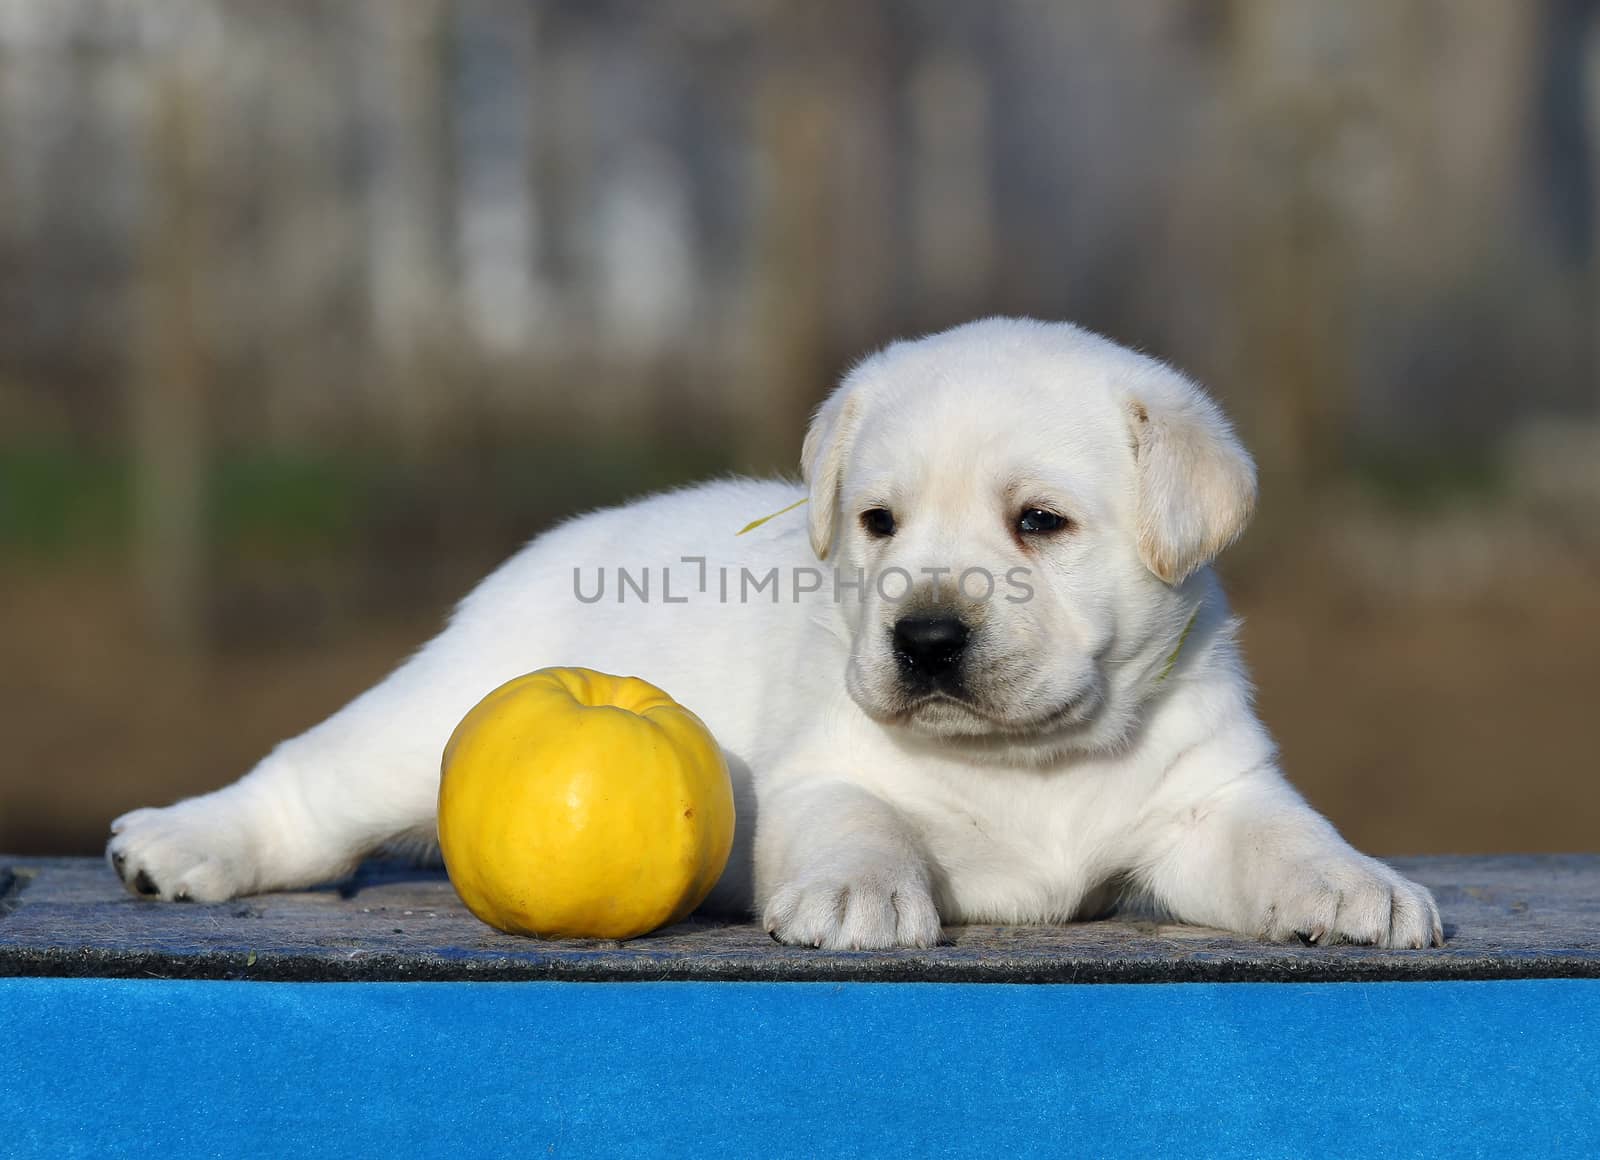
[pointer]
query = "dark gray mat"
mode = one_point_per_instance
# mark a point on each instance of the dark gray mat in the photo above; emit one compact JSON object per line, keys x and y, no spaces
{"x":1505,"y":917}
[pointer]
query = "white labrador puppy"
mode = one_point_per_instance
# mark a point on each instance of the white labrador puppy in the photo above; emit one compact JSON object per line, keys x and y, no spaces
{"x":986,"y":676}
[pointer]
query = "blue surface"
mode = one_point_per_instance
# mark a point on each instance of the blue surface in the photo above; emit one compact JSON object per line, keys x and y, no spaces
{"x":152,"y":1068}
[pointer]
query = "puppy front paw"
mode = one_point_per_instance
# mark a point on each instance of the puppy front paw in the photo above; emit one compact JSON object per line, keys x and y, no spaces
{"x":865,"y":910}
{"x":1351,"y":898}
{"x":192,"y":851}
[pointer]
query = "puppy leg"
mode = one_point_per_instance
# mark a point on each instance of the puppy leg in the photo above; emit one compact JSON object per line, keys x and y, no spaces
{"x":838,"y":867}
{"x":315,"y":806}
{"x":1253,"y":857}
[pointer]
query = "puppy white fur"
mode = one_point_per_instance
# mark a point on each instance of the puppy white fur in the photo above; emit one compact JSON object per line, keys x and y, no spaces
{"x":987,"y":677}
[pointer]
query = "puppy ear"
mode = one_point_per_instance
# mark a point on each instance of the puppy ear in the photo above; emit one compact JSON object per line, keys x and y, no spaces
{"x":1197,"y":483}
{"x":822,"y":459}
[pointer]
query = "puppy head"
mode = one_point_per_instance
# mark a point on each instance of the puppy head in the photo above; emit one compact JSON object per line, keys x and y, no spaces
{"x":1022,"y":503}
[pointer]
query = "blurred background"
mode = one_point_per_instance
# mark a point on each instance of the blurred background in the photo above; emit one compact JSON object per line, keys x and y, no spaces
{"x":311,"y":312}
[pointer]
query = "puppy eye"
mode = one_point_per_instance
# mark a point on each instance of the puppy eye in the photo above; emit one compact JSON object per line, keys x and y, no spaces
{"x":878,"y":522}
{"x":1037,"y":521}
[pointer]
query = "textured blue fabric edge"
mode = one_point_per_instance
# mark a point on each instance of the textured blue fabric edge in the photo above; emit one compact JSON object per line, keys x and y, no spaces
{"x":165,"y":1068}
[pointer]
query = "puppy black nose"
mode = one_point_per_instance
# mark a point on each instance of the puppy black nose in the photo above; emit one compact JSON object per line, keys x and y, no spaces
{"x":929,"y":646}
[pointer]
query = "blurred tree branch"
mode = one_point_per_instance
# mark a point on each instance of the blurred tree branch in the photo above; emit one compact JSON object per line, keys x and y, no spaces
{"x":169,"y":431}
